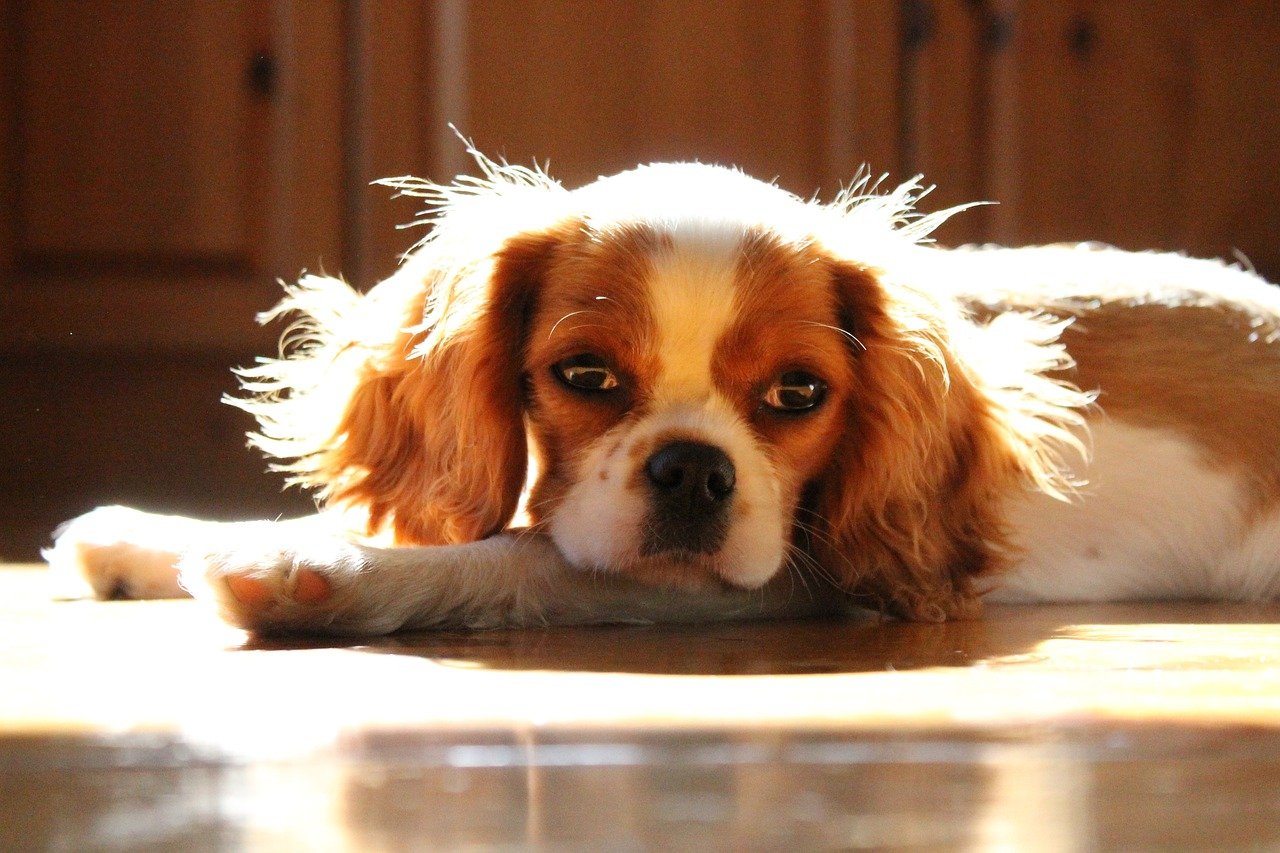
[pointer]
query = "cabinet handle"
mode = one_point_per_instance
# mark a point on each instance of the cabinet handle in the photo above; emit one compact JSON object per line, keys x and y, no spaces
{"x":261,"y":74}
{"x":996,"y":25}
{"x":997,"y":30}
{"x":917,"y":20}
{"x":1082,"y":37}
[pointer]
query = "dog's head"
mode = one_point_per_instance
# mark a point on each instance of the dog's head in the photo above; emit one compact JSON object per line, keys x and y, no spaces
{"x":711,"y":379}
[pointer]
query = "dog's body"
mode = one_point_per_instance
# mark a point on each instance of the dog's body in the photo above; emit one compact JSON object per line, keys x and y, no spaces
{"x":733,"y":403}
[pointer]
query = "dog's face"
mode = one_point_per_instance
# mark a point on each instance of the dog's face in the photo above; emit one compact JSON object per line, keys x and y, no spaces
{"x":712,"y":378}
{"x":685,"y":382}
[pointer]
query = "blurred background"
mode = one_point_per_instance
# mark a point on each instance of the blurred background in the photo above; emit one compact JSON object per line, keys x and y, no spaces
{"x":166,"y":161}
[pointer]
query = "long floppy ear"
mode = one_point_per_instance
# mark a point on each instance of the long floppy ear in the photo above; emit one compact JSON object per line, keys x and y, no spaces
{"x":912,"y":512}
{"x":434,"y":437}
{"x":406,"y":405}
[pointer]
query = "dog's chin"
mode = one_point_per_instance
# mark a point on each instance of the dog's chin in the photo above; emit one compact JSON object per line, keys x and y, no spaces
{"x":681,"y":570}
{"x":677,"y":570}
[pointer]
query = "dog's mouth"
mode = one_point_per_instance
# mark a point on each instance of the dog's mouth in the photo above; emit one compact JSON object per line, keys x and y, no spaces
{"x":676,"y":569}
{"x":685,"y":540}
{"x":679,"y":566}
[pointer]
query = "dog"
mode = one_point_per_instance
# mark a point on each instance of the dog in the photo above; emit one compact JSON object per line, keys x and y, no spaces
{"x":682,"y":394}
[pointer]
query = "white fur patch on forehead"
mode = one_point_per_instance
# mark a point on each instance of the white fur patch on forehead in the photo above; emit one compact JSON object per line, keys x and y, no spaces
{"x":691,"y":295}
{"x":669,"y":195}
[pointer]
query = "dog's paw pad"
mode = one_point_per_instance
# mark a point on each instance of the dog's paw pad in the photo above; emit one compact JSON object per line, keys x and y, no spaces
{"x":281,"y":589}
{"x":249,"y":591}
{"x":303,"y":586}
{"x":310,"y":587}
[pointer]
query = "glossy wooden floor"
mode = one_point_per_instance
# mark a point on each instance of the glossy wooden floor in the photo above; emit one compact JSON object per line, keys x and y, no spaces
{"x":148,"y":725}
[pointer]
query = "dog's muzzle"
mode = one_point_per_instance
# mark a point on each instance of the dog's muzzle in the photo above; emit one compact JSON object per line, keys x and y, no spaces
{"x":691,"y":486}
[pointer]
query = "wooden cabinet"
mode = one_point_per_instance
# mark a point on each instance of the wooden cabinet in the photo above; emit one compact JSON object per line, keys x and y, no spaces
{"x":1145,"y":123}
{"x":165,"y":162}
{"x":1142,"y":123}
{"x":165,"y":167}
{"x":788,"y":90}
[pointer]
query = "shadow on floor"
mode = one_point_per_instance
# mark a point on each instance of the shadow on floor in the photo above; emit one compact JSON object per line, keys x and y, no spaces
{"x":1007,"y":636}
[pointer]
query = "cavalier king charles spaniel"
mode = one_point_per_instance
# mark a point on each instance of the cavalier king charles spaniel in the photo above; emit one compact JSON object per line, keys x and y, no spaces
{"x":679,"y":393}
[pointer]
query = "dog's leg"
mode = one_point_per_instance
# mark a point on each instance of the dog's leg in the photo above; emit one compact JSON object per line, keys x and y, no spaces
{"x":118,"y":552}
{"x":517,"y":578}
{"x":299,"y":576}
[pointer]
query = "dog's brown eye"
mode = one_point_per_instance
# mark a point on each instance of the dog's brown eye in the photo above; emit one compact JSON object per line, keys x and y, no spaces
{"x":795,"y":391}
{"x":585,"y":372}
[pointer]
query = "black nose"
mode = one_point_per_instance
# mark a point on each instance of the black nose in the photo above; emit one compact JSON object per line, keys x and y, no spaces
{"x":691,"y":485}
{"x":691,"y":476}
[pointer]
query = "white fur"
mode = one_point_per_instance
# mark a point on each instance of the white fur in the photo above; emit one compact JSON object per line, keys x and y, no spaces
{"x":1250,"y":571}
{"x":691,"y":297}
{"x":118,"y":551}
{"x":1154,"y":521}
{"x":725,"y":201}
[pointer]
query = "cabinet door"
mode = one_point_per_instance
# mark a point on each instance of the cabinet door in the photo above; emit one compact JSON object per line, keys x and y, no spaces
{"x":155,"y":155}
{"x":1147,"y":123}
{"x":798,"y":91}
{"x":164,"y":162}
{"x":1150,"y":124}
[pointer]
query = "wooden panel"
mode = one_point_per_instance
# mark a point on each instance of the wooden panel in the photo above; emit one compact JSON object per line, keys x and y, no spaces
{"x":156,"y":192}
{"x":9,"y":95}
{"x":393,"y":128}
{"x":864,"y":108}
{"x":945,"y":105}
{"x":134,"y":131}
{"x":1145,"y":124}
{"x":305,"y":185}
{"x":113,"y":311}
{"x":596,"y":88}
{"x":1097,"y":123}
{"x":796,"y":92}
{"x":1230,"y":182}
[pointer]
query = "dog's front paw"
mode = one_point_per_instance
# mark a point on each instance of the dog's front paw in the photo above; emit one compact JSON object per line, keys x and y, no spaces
{"x":314,"y":587}
{"x":117,"y":552}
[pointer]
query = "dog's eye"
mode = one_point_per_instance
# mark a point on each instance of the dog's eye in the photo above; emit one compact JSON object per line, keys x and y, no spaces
{"x":795,"y":391}
{"x":585,"y":372}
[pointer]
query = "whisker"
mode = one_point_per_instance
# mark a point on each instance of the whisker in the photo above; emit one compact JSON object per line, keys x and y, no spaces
{"x":824,"y":571}
{"x":815,"y":567}
{"x":842,"y":332}
{"x":793,"y":570}
{"x":557,"y":323}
